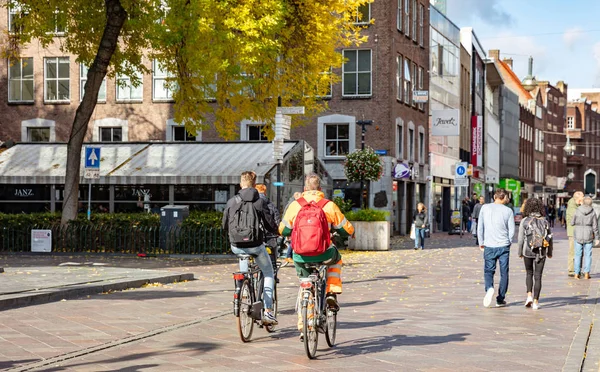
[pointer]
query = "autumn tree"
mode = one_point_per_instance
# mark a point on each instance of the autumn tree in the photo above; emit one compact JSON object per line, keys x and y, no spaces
{"x":227,"y":59}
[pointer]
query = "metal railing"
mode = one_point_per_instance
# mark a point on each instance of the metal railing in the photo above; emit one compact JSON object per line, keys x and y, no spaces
{"x":120,"y":239}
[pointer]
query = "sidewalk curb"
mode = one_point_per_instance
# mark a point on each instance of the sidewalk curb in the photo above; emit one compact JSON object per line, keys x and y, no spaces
{"x":79,"y":290}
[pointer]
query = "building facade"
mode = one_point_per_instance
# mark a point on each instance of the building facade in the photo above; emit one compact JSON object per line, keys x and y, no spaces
{"x":444,"y":108}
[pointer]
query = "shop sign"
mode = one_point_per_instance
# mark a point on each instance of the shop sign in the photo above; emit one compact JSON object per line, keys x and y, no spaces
{"x":401,"y":170}
{"x":445,"y":122}
{"x":24,"y":193}
{"x":477,"y":141}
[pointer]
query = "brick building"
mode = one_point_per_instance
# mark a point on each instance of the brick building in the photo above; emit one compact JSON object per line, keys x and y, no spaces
{"x":396,"y":58}
{"x":583,"y":129}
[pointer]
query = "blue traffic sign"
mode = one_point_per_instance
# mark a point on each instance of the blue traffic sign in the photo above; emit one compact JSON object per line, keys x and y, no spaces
{"x":92,"y":157}
{"x":278,"y":184}
{"x":461,"y":170}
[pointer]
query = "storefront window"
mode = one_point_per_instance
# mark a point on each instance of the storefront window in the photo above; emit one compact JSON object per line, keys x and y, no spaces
{"x":24,"y":192}
{"x":137,"y":193}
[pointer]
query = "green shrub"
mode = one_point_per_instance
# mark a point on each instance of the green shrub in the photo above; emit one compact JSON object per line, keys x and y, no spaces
{"x":344,"y":205}
{"x":367,"y":215}
{"x":210,"y":219}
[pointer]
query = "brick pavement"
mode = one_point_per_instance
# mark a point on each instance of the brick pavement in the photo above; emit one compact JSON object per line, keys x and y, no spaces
{"x":402,"y":310}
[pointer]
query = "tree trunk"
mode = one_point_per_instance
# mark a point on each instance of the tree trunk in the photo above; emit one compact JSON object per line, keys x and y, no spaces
{"x":115,"y":18}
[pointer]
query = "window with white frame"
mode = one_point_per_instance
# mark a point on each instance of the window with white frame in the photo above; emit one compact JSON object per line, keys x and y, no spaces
{"x":337,"y":139}
{"x":110,"y":130}
{"x":38,"y":130}
{"x":407,"y":82}
{"x":83,"y":72}
{"x":363,"y":14}
{"x":407,"y":17}
{"x":570,"y":122}
{"x":411,"y":144}
{"x":161,"y":85}
{"x":16,"y":12}
{"x":399,"y":77}
{"x":41,"y":134}
{"x":414,"y":20}
{"x":421,"y":24}
{"x":180,"y":134}
{"x":399,"y":139}
{"x":127,"y":91}
{"x":57,"y":79}
{"x":111,"y":134}
{"x":20,"y":80}
{"x":255,"y":132}
{"x":60,"y":22}
{"x":357,"y":73}
{"x":399,"y":16}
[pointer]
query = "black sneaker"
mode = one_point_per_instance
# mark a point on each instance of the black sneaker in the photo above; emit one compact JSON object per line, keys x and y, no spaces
{"x":332,"y":302}
{"x":500,"y":304}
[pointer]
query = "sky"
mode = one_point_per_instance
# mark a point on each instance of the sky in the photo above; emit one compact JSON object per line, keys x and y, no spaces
{"x":562,"y":36}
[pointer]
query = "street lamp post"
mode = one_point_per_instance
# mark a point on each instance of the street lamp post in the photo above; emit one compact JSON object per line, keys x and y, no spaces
{"x":363,"y":123}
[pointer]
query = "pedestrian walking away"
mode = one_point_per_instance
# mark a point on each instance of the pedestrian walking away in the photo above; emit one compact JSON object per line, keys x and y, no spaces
{"x":273,"y":213}
{"x":466,"y":216}
{"x":475,"y":216}
{"x":551,"y":214}
{"x":535,"y":244}
{"x":585,"y":223}
{"x":420,"y":221}
{"x":572,"y":205}
{"x":245,"y":218}
{"x":495,"y":232}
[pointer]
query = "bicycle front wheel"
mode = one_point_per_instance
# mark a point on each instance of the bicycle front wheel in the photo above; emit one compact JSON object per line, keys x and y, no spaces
{"x":245,"y":322}
{"x":309,"y":328}
{"x":331,"y":327}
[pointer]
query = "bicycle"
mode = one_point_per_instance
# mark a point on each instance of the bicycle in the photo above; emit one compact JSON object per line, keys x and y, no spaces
{"x":316,"y":316}
{"x":248,"y":296}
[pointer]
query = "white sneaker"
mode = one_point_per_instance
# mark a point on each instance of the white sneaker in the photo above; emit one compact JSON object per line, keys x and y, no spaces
{"x":529,"y":301}
{"x":487,"y":300}
{"x":536,"y":306}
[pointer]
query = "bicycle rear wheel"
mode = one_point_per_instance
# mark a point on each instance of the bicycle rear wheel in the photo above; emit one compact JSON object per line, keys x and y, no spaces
{"x":331,"y":327}
{"x":311,"y":336}
{"x":271,"y":327}
{"x":245,"y":322}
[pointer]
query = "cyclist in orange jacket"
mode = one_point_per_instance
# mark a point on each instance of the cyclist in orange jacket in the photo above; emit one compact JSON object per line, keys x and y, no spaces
{"x":337,"y":223}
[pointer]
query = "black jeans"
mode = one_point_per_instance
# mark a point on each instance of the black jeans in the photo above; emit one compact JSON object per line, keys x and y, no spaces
{"x":534,"y":269}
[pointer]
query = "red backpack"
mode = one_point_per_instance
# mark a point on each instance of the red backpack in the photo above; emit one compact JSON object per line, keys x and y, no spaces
{"x":310,"y":236}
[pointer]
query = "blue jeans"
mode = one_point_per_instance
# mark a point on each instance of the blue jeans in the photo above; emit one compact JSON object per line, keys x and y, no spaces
{"x":586,"y":249}
{"x":419,"y":237}
{"x":264,"y":263}
{"x":490,"y":256}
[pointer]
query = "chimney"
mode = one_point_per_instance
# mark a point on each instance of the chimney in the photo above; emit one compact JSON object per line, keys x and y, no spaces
{"x":495,"y":54}
{"x":509,"y":62}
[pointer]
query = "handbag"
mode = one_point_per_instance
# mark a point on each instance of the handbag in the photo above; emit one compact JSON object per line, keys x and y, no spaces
{"x":413,"y":236}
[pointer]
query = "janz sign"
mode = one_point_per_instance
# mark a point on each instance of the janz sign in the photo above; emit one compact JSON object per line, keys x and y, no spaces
{"x":445,"y":122}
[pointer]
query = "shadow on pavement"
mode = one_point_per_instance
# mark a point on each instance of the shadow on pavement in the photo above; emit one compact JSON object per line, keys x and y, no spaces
{"x":356,"y":304}
{"x":13,"y":363}
{"x":399,"y":277}
{"x":201,"y":347}
{"x":359,"y":325}
{"x":133,"y":295}
{"x":378,"y":344}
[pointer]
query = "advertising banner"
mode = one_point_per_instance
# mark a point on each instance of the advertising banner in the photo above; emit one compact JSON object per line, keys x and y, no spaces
{"x":445,"y":122}
{"x":477,"y":141}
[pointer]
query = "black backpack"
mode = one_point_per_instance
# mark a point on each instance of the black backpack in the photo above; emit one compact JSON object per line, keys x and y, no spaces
{"x":244,"y":224}
{"x":536,"y":232}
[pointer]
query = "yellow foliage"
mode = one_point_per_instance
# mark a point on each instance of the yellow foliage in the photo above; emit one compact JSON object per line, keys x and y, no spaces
{"x":229,"y":59}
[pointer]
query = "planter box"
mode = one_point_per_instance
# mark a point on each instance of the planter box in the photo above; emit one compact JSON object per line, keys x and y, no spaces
{"x":370,"y":236}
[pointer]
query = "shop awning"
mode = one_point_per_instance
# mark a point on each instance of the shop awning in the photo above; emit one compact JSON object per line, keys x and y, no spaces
{"x":143,"y":163}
